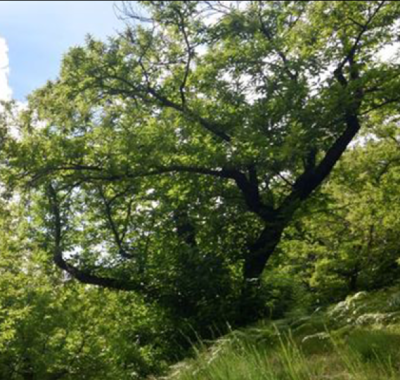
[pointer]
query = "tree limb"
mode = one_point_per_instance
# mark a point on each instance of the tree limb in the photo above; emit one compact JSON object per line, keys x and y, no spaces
{"x":84,"y":276}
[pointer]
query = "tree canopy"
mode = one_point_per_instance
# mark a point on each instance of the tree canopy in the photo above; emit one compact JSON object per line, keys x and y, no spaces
{"x":170,"y":159}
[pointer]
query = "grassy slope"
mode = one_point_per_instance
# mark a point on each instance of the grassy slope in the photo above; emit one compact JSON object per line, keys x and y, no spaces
{"x":358,"y":338}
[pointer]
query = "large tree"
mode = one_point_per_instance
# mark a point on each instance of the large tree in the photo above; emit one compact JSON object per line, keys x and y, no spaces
{"x":188,"y":142}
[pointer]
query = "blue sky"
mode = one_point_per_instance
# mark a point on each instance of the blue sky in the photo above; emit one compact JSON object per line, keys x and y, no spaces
{"x":38,"y":33}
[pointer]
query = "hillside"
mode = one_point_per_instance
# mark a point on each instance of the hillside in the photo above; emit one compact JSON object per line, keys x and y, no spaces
{"x":358,"y":338}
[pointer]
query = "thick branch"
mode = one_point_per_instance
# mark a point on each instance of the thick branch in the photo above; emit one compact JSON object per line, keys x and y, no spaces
{"x":311,"y":179}
{"x":250,"y":191}
{"x":248,"y":187}
{"x":263,"y":248}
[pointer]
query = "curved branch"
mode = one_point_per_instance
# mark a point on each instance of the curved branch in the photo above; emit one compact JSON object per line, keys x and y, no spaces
{"x":249,"y":187}
{"x":312,"y":177}
{"x":84,"y":276}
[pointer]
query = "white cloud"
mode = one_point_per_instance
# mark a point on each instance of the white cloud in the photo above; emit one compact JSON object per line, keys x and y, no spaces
{"x":5,"y":90}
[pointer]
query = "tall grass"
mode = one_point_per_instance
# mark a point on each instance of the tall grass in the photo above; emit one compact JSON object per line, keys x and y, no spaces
{"x":363,"y":355}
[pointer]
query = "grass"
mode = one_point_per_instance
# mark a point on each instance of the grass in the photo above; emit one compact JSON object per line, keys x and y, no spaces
{"x":358,"y":339}
{"x":363,"y":359}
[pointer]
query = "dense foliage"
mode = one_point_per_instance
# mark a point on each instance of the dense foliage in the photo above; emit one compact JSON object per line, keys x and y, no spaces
{"x":351,"y":241}
{"x":193,"y":169}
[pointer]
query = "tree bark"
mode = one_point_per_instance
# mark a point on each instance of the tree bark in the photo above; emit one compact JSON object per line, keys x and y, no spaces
{"x":262,"y":250}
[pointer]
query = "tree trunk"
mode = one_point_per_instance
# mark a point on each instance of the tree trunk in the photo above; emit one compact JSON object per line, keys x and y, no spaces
{"x":261,"y":251}
{"x":252,"y":303}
